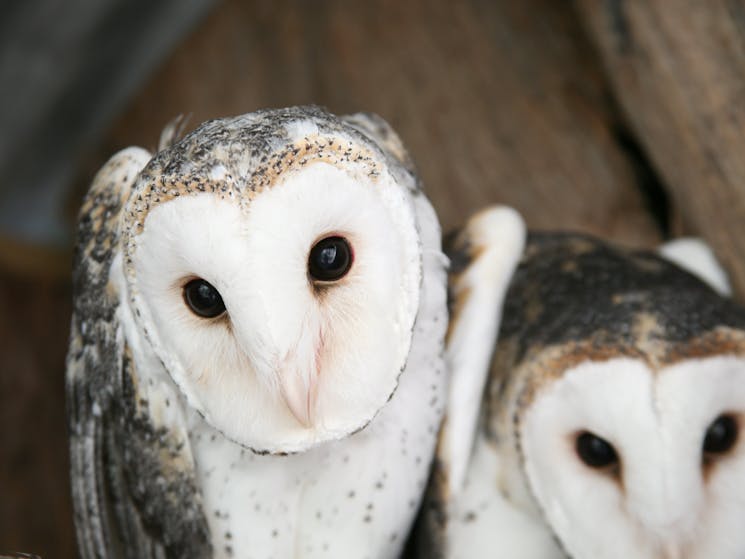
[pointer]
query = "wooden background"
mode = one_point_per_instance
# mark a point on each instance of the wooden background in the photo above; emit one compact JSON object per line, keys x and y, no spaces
{"x":621,"y":118}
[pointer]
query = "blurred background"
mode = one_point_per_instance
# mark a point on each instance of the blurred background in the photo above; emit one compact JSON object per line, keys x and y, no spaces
{"x":623,"y":118}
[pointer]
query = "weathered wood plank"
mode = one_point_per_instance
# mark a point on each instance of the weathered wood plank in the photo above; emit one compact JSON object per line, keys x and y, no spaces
{"x":678,"y":70}
{"x":35,"y":507}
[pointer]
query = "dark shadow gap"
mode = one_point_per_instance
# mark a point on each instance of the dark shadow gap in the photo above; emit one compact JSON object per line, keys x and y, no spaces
{"x":647,"y":180}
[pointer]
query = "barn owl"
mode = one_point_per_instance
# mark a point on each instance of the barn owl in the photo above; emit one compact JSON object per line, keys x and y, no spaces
{"x":256,"y":359}
{"x":610,"y":423}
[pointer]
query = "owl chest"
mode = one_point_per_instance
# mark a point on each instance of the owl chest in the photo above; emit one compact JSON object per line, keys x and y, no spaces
{"x":351,"y":498}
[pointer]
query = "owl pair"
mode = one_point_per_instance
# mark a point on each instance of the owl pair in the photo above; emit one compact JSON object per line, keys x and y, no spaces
{"x":258,"y":366}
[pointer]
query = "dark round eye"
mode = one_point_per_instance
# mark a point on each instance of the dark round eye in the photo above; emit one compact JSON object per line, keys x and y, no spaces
{"x":203,"y":299}
{"x":721,"y":435}
{"x":594,"y":451}
{"x":330,"y":259}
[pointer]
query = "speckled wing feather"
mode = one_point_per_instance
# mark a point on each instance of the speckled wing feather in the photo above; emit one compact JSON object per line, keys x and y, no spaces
{"x":483,"y":256}
{"x":122,"y":485}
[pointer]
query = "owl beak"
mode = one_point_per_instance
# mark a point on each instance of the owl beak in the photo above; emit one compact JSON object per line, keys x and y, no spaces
{"x":299,"y":392}
{"x":673,"y":551}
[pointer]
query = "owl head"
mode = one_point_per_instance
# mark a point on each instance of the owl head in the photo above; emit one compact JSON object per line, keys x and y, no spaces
{"x":624,"y":405}
{"x":272,"y":265}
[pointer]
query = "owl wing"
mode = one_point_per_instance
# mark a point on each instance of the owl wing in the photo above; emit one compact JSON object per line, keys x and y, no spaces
{"x":696,"y":257}
{"x":125,"y":489}
{"x":484,"y":256}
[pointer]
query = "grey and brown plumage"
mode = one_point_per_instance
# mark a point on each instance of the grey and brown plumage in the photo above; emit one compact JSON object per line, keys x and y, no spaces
{"x":124,"y":469}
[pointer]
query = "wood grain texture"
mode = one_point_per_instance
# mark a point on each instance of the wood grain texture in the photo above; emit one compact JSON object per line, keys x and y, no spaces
{"x":499,"y":102}
{"x":678,"y":72}
{"x":35,"y":506}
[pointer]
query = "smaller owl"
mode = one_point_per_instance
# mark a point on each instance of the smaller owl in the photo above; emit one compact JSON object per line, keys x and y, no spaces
{"x":610,"y":425}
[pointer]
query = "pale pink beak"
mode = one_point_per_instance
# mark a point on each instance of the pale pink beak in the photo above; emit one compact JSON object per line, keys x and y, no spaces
{"x":299,"y":391}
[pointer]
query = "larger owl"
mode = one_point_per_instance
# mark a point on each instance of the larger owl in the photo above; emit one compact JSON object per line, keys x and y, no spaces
{"x":256,"y":366}
{"x":611,"y":422}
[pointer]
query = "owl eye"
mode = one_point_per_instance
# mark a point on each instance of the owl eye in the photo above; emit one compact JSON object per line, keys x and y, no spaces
{"x":594,"y":451}
{"x":203,"y":299}
{"x":330,"y":259}
{"x":721,"y":435}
